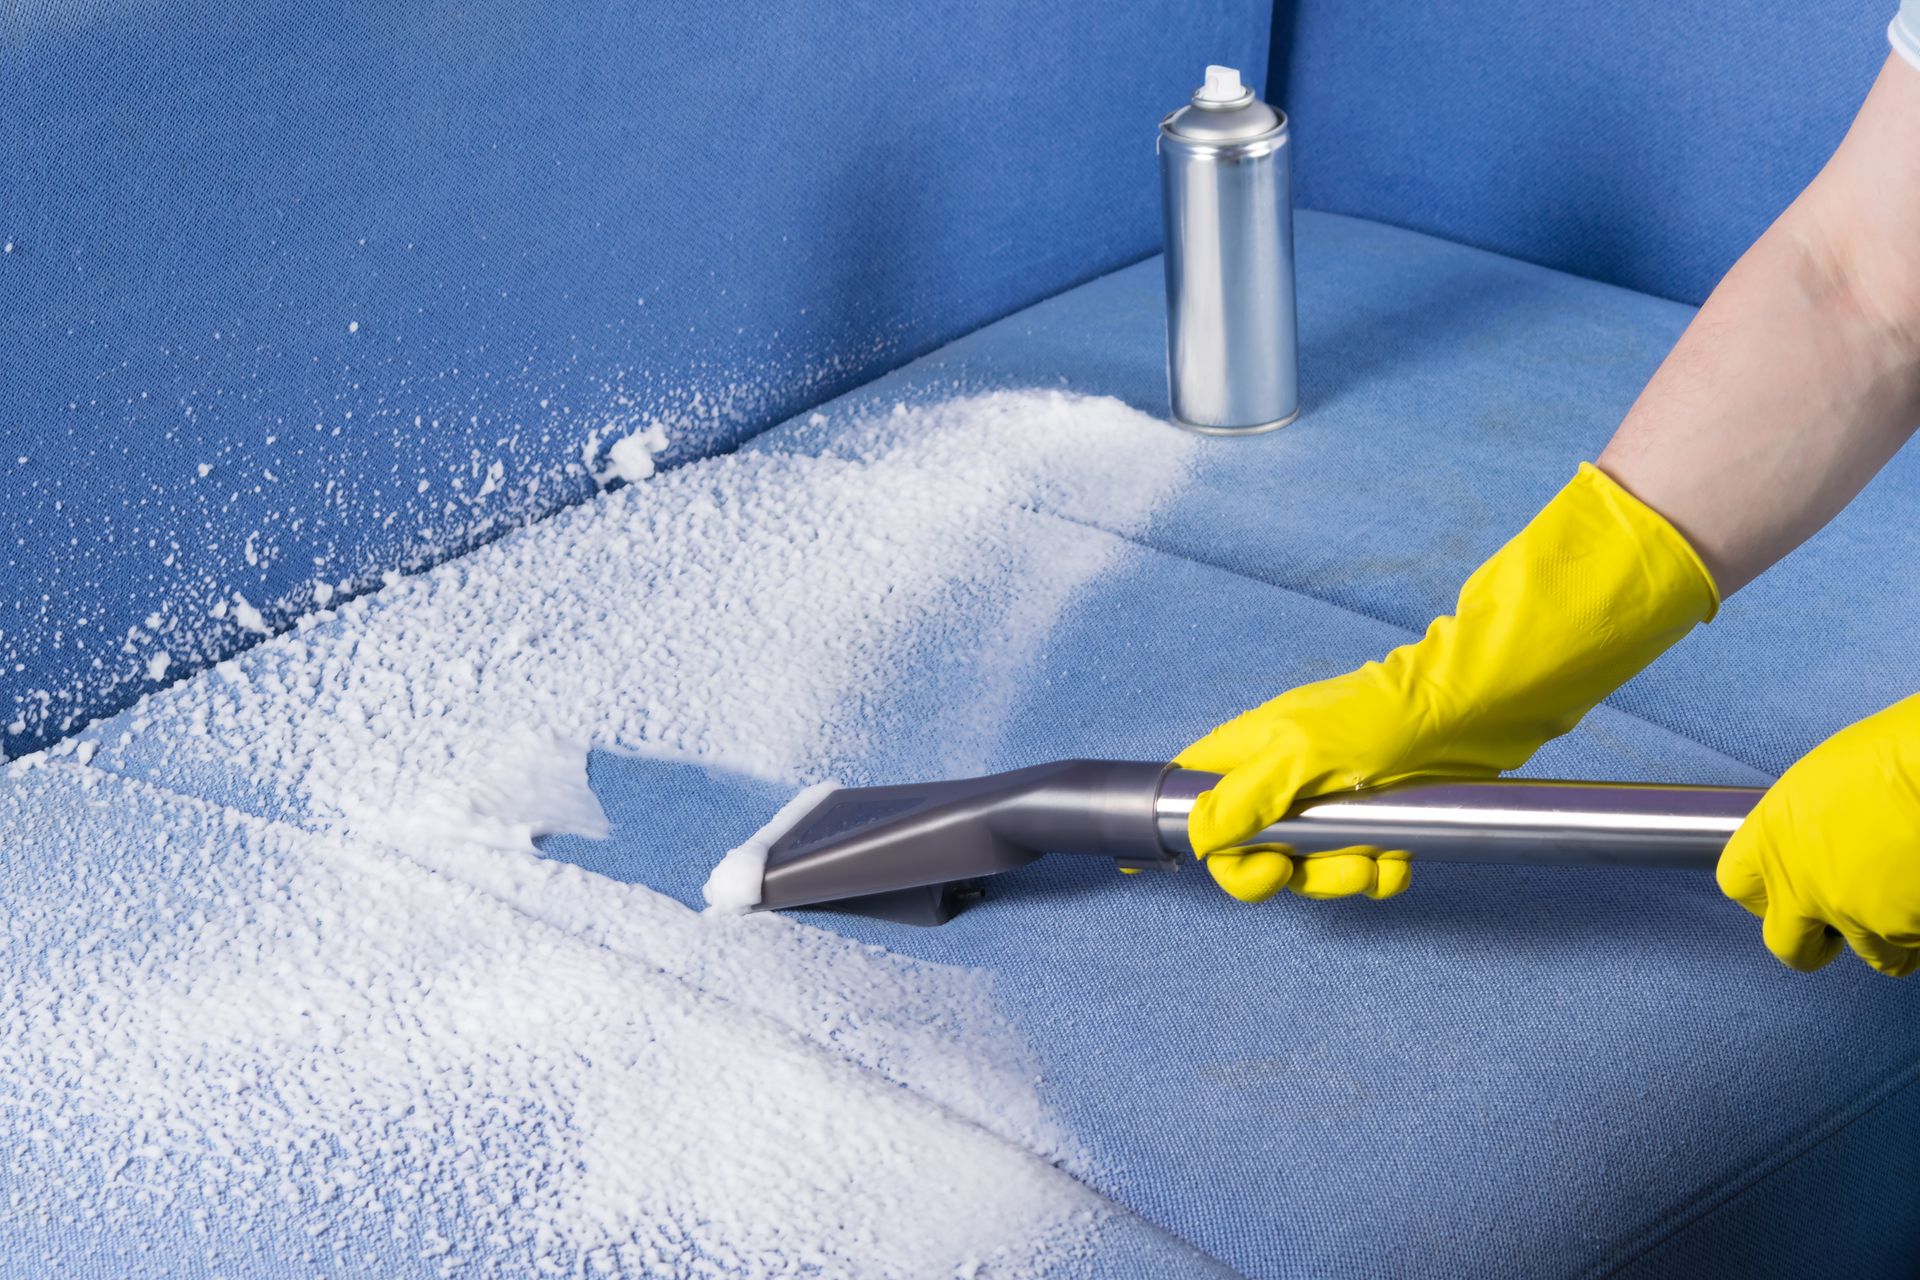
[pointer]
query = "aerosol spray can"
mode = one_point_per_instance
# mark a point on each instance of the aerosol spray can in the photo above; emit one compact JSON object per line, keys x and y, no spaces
{"x":1227,"y":194}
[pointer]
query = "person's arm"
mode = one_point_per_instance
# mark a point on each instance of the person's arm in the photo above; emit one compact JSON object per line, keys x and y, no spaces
{"x":1798,"y":379}
{"x":1800,"y":376}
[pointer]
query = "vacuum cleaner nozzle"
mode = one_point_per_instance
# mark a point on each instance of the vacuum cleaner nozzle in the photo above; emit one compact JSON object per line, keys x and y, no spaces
{"x":912,"y":853}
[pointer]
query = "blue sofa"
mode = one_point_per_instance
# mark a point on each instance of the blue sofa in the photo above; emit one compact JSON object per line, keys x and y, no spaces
{"x":275,"y":279}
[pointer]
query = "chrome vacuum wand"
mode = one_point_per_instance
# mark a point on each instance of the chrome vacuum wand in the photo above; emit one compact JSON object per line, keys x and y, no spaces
{"x":1499,"y":820}
{"x":914,"y":853}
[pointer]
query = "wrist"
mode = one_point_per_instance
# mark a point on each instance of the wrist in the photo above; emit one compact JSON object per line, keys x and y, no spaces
{"x":1596,"y":586}
{"x":1682,"y":569}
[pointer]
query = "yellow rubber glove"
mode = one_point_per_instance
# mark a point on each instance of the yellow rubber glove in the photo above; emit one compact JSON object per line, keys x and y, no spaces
{"x":1832,"y":851}
{"x":1595,"y":588}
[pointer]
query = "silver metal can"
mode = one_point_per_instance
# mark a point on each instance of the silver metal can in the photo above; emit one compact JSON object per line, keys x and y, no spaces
{"x":1227,"y":196}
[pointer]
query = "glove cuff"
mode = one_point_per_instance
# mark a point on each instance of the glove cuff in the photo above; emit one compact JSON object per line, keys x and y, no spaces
{"x":1596,"y":586}
{"x":1673,"y":564}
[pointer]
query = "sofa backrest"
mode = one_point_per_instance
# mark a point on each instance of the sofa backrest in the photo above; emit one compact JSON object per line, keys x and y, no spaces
{"x":1643,"y":142}
{"x":295,"y":294}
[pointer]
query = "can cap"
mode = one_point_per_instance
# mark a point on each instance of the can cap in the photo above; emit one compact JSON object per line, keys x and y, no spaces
{"x":1223,"y":110}
{"x":1223,"y":85}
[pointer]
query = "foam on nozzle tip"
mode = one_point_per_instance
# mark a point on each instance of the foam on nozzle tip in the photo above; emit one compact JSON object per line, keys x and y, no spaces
{"x":1223,"y":85}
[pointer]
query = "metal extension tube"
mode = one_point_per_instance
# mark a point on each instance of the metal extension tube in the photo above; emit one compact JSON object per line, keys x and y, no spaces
{"x":1499,"y":820}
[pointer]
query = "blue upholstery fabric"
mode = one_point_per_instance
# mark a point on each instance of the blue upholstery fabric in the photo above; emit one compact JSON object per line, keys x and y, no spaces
{"x":1643,"y":142}
{"x":1504,"y":1073}
{"x":347,"y":261}
{"x":1838,"y":1203}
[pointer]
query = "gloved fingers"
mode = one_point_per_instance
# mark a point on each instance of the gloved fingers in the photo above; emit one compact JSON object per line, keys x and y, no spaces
{"x":1342,"y":874}
{"x":1393,"y":872}
{"x":1738,"y":874}
{"x":1251,"y":875}
{"x":1244,"y":802}
{"x":1798,"y":941}
{"x":1890,"y":958}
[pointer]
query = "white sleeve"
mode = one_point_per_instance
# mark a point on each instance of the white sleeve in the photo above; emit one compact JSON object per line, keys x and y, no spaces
{"x":1905,"y":31}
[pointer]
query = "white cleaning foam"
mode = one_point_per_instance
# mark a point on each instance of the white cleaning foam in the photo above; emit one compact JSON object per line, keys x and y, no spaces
{"x":347,"y":1048}
{"x":733,"y":886}
{"x":249,"y":617}
{"x":734,"y":611}
{"x":385,"y":1017}
{"x":631,"y":457}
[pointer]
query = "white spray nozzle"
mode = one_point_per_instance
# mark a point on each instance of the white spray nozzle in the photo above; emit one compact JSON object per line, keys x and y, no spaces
{"x":1223,"y":85}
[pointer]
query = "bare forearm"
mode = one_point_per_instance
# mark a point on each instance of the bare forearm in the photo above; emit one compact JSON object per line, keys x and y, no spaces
{"x":1800,"y":376}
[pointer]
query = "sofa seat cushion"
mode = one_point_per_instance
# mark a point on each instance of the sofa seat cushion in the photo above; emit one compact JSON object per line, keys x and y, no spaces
{"x":1504,"y":1072}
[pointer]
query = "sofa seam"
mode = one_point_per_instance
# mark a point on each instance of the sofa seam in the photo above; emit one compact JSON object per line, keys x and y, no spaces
{"x":1705,"y":1205}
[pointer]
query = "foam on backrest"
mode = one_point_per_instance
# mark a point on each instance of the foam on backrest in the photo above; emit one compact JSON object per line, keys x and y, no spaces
{"x":295,"y":295}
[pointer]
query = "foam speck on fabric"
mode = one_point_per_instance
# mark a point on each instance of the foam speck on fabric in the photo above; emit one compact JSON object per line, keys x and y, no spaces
{"x":284,"y":955}
{"x":631,"y":457}
{"x":735,"y":882}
